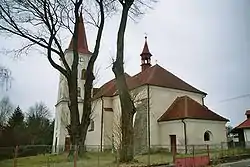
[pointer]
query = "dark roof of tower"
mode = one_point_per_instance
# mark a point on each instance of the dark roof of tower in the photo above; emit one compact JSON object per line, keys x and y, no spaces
{"x":82,"y":39}
{"x":145,"y":50}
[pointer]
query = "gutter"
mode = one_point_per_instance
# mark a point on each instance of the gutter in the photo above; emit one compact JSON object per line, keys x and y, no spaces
{"x":101,"y":124}
{"x":185,"y":125}
{"x":148,"y":119}
{"x":185,"y":134}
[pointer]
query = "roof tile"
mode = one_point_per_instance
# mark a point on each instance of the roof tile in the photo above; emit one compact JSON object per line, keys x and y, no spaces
{"x":155,"y":75}
{"x":82,"y":39}
{"x":184,"y":107}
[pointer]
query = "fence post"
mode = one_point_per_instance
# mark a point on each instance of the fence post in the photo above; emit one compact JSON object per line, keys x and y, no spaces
{"x":173,"y":153}
{"x":117,"y":156}
{"x":15,"y":157}
{"x":193,"y":156}
{"x":208,"y":152}
{"x":148,"y":156}
{"x":221,"y":149}
{"x":75,"y":156}
{"x":98,"y":156}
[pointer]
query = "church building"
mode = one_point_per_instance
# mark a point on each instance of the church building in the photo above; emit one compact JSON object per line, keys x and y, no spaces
{"x":169,"y":111}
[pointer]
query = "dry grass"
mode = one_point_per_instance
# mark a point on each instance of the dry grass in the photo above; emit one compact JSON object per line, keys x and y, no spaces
{"x":90,"y":160}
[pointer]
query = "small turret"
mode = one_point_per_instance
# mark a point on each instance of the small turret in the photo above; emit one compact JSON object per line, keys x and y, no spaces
{"x":145,"y":56}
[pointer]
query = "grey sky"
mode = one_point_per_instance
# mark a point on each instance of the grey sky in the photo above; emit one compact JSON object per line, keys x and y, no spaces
{"x":205,"y":43}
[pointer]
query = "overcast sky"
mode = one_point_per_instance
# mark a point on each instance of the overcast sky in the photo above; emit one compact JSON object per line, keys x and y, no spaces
{"x":205,"y":43}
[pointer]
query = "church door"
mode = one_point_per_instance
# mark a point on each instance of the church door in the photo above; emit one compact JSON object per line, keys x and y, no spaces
{"x":67,"y":144}
{"x":173,"y":143}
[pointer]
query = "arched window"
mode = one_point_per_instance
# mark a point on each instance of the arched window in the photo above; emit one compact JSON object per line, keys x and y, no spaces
{"x":91,"y":125}
{"x":79,"y":92}
{"x":83,"y":75}
{"x":207,"y":136}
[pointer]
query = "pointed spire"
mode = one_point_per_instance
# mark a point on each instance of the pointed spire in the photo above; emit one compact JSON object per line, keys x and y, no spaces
{"x":145,"y":56}
{"x":82,"y":39}
{"x":145,"y":48}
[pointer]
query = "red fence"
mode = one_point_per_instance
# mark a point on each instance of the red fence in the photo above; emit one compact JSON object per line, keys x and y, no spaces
{"x":197,"y":161}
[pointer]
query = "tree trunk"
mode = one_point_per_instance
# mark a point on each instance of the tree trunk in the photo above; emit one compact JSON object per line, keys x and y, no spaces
{"x":127,"y":106}
{"x":88,"y":86}
{"x":74,"y":115}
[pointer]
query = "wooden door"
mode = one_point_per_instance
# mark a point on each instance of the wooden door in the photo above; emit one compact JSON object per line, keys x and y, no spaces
{"x":173,"y":143}
{"x":67,"y":144}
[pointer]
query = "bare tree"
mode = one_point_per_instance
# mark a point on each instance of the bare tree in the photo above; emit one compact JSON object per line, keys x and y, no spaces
{"x":141,"y":100}
{"x":39,"y":110}
{"x":127,"y":106}
{"x":38,"y":123}
{"x":40,"y":23}
{"x":6,"y":109}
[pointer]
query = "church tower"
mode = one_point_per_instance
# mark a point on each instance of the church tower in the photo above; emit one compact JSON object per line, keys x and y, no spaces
{"x":62,"y":115}
{"x":145,"y":56}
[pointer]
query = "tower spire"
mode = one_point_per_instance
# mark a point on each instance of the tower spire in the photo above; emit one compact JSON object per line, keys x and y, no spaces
{"x":145,"y":56}
{"x":82,"y":39}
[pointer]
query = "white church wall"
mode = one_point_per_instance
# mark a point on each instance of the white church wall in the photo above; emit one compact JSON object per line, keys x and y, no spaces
{"x":196,"y":129}
{"x":107,"y":123}
{"x":62,"y":110}
{"x":116,"y":122}
{"x":108,"y":128}
{"x":247,"y":137}
{"x":60,"y":131}
{"x":136,"y":95}
{"x":168,"y":128}
{"x":93,"y":138}
{"x":160,"y":100}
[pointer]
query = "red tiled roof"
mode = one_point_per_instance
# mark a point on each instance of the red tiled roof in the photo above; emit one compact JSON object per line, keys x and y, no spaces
{"x":82,"y":39}
{"x":245,"y":124}
{"x":185,"y":107}
{"x":109,"y":88}
{"x":155,"y":75}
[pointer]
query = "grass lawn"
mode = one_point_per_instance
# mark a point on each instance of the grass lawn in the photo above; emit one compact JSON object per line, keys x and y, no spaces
{"x":91,"y":160}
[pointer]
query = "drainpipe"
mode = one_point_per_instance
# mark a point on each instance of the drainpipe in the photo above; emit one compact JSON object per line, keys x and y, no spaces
{"x":101,"y":123}
{"x":148,"y":112}
{"x":185,"y":134}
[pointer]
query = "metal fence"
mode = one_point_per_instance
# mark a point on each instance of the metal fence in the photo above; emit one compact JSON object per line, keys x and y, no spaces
{"x":95,"y":156}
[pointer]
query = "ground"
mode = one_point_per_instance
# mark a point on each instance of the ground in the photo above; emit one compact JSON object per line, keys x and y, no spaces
{"x":91,"y":160}
{"x":242,"y":163}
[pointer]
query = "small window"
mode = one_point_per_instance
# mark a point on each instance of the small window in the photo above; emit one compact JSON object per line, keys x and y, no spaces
{"x":207,"y":136}
{"x":83,"y":75}
{"x":91,"y":125}
{"x":79,"y":92}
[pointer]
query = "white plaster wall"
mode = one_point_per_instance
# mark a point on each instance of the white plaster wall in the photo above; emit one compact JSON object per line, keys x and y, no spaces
{"x":107,"y":122}
{"x":171,"y":128}
{"x":160,"y":100}
{"x":116,"y":121}
{"x":108,"y":102}
{"x":93,"y":138}
{"x":196,"y":129}
{"x":60,"y":131}
{"x":62,"y":110}
{"x":247,"y":137}
{"x":108,"y":128}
